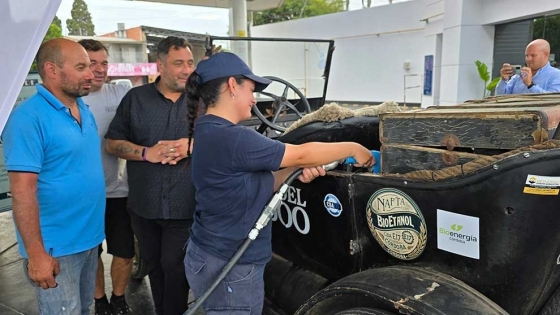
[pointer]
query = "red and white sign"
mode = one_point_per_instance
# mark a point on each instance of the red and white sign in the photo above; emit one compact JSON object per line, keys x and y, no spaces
{"x":132,"y":69}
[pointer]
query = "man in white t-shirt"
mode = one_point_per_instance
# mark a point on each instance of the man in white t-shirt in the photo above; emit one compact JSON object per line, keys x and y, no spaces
{"x":103,"y":101}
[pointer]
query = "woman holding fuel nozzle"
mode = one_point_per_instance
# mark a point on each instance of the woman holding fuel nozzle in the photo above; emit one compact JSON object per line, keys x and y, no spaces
{"x":236,"y":171}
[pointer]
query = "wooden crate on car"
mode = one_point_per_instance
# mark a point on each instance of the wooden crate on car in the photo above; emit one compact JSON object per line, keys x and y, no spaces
{"x":442,"y":136}
{"x":402,"y":159}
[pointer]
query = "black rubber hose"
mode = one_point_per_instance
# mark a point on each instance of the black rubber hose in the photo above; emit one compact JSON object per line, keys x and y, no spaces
{"x":293,"y":176}
{"x":235,"y":258}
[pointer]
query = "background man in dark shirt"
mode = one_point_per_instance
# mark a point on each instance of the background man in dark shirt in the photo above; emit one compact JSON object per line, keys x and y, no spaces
{"x":161,"y":194}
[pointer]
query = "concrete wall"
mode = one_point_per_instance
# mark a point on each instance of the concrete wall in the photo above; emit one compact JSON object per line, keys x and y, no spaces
{"x":300,"y":63}
{"x":119,"y":52}
{"x":371,"y":48}
{"x":372,"y":45}
{"x":464,"y":41}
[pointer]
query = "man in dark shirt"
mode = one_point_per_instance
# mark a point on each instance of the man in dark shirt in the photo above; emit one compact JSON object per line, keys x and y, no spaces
{"x":149,"y":130}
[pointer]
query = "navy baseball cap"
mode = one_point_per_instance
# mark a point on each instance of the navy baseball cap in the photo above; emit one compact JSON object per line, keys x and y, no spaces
{"x":226,"y":64}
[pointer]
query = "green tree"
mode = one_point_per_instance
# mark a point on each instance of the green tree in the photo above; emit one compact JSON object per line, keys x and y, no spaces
{"x":292,"y":9}
{"x":549,"y":28}
{"x":54,"y":31}
{"x":80,"y":24}
{"x":57,"y":21}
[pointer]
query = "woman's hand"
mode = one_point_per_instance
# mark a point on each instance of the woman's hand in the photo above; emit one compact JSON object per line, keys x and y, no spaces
{"x":364,"y":157}
{"x":310,"y":173}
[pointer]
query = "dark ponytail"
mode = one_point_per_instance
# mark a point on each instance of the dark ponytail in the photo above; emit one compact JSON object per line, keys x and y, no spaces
{"x":199,"y":97}
{"x":192,"y":99}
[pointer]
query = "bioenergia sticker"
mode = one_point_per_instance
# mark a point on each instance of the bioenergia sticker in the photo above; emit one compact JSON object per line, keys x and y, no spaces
{"x":458,"y":234}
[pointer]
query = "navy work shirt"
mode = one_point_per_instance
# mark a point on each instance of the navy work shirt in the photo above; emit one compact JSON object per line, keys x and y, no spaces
{"x":232,"y":173}
{"x":156,"y":191}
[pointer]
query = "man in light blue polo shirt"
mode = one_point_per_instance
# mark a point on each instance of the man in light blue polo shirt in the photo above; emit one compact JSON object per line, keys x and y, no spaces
{"x":53,"y":158}
{"x":537,"y":77}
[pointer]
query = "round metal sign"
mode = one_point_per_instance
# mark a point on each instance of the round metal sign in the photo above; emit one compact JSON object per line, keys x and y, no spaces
{"x":397,"y":224}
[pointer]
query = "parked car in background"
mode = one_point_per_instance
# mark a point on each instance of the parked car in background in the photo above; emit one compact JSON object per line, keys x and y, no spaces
{"x":125,"y":82}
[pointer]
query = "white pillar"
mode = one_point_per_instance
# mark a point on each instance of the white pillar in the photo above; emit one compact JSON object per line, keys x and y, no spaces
{"x":465,"y":40}
{"x":433,"y":13}
{"x":239,"y":17}
{"x":239,"y":8}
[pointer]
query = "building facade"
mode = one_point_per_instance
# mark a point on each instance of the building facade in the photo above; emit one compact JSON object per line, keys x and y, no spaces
{"x":151,"y":36}
{"x":421,"y":51}
{"x":128,"y":61}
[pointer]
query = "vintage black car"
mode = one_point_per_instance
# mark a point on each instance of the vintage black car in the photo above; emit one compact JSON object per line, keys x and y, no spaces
{"x":462,"y":218}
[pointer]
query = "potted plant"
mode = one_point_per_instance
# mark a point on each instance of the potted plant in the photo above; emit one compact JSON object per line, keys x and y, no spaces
{"x":484,"y":75}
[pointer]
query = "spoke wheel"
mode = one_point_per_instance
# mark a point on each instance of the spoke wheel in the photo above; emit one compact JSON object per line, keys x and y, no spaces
{"x":281,"y":104}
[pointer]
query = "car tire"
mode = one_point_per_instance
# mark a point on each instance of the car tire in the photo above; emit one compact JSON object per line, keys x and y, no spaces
{"x":139,"y":266}
{"x":399,"y":290}
{"x":363,"y":311}
{"x":552,"y":305}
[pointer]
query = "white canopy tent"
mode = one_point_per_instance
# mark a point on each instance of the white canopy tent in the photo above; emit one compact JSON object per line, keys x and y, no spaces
{"x":25,"y":23}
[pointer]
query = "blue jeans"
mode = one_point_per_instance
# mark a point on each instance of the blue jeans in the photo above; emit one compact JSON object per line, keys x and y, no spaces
{"x":76,"y":285}
{"x":240,"y":293}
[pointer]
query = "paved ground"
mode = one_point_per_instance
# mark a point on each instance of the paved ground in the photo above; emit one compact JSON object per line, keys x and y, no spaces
{"x":17,"y":296}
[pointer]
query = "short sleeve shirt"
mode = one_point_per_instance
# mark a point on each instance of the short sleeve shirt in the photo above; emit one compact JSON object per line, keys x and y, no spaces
{"x":42,"y":137}
{"x":232,"y":172}
{"x":103,"y":104}
{"x":155,"y":191}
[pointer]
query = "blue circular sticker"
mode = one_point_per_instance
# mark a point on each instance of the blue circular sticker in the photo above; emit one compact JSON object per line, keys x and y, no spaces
{"x":332,"y":205}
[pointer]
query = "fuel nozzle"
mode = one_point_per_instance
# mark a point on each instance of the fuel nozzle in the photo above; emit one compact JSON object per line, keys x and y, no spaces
{"x":376,"y":167}
{"x":331,"y":166}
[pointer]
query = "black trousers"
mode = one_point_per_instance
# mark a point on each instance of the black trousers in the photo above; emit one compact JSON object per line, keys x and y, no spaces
{"x":162,"y":247}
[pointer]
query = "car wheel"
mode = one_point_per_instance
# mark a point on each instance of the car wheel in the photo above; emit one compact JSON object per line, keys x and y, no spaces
{"x":139,"y":266}
{"x":399,"y":290}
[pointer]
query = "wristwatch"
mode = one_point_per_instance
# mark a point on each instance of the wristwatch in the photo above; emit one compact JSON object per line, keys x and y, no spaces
{"x":531,"y":85}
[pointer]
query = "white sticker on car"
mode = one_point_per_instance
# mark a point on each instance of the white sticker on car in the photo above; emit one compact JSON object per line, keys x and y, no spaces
{"x":458,"y":234}
{"x":542,"y":185}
